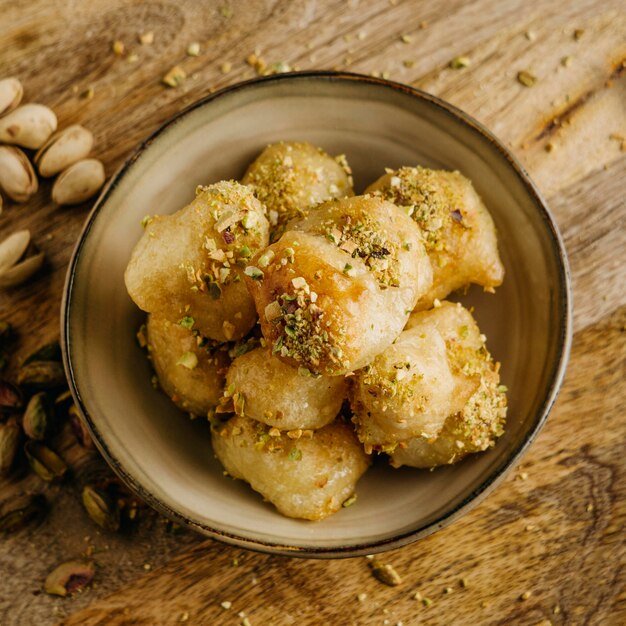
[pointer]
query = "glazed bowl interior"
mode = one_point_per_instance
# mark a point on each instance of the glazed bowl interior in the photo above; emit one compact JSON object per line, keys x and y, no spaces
{"x":165,"y":456}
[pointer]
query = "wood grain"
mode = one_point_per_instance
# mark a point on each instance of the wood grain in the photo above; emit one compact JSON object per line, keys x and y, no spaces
{"x":559,"y":533}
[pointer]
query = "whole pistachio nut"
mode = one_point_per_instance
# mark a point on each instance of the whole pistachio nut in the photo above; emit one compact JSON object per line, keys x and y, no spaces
{"x":78,"y":182}
{"x":49,"y":352}
{"x":13,"y":248}
{"x":44,"y":374}
{"x":28,"y":126}
{"x":17,"y":176}
{"x":11,"y":92}
{"x":37,"y":421}
{"x":17,"y":512}
{"x":10,"y":435}
{"x":80,"y":430}
{"x":10,"y":397}
{"x":22,"y":271}
{"x":102,"y":509}
{"x":46,"y":463}
{"x":69,"y":577}
{"x":63,"y":149}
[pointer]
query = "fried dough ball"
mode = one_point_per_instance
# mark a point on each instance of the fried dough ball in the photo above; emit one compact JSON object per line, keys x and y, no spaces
{"x":458,"y":230}
{"x":190,"y":263}
{"x":191,"y":370}
{"x":306,"y":478}
{"x":481,"y":420}
{"x":289,"y":178}
{"x":338,"y":287}
{"x":270,"y":391}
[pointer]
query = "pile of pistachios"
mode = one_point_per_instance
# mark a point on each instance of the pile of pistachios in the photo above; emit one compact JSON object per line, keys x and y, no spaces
{"x":33,"y":411}
{"x":33,"y":126}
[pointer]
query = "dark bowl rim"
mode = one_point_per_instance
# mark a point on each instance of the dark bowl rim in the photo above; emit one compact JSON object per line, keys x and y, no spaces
{"x":473,"y":498}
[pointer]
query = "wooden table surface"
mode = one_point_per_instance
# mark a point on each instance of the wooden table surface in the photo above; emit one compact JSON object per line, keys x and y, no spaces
{"x":555,"y":528}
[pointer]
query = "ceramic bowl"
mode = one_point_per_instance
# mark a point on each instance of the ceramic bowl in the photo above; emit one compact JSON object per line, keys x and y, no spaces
{"x":167,"y":458}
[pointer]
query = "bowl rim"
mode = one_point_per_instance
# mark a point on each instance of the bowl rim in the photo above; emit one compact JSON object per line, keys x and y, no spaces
{"x":472,"y":499}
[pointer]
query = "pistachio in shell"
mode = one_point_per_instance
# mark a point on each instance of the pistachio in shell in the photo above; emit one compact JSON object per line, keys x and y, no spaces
{"x":385,"y":573}
{"x":49,"y":352}
{"x":78,"y":427}
{"x":44,"y":374}
{"x":10,"y":435}
{"x":63,"y":149}
{"x":78,"y":182}
{"x":11,"y":93}
{"x":28,"y":126}
{"x":17,"y":512}
{"x":46,"y":463}
{"x":101,"y":508}
{"x":69,"y":577}
{"x":21,"y":272}
{"x":17,"y":176}
{"x":13,"y":248}
{"x":37,"y":421}
{"x":10,"y":397}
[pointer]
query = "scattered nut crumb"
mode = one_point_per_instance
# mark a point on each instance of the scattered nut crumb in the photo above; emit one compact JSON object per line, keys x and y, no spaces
{"x":530,"y":35}
{"x":447,"y":590}
{"x":133,"y":57}
{"x":578,"y":33}
{"x":118,"y":48}
{"x":147,"y":567}
{"x":408,"y":63}
{"x":226,"y":12}
{"x":385,"y":573}
{"x":525,"y":595}
{"x":226,"y":67}
{"x":174,"y":77}
{"x":226,"y":604}
{"x":549,"y":147}
{"x":589,"y":508}
{"x":460,"y":62}
{"x":88,"y":93}
{"x":406,"y":39}
{"x":361,"y":597}
{"x":184,"y":616}
{"x":567,"y":61}
{"x":526,"y":78}
{"x":193,"y":49}
{"x":146,"y":39}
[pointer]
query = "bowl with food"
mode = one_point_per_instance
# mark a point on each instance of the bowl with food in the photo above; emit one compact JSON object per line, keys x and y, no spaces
{"x":317,"y":314}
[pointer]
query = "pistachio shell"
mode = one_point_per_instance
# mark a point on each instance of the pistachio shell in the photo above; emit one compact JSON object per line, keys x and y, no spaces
{"x":63,"y":149}
{"x":80,"y":430}
{"x":17,"y":176}
{"x":29,"y":126}
{"x":46,"y":374}
{"x":69,"y":577}
{"x":46,"y":463}
{"x":10,"y":397}
{"x":21,"y":272}
{"x":78,"y":182}
{"x":11,"y":92}
{"x":13,"y":248}
{"x":10,"y":434}
{"x":37,"y":421}
{"x":101,"y":508}
{"x":15,"y":513}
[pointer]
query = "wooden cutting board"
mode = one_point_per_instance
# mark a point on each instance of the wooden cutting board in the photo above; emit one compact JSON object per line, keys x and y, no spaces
{"x":555,"y":528}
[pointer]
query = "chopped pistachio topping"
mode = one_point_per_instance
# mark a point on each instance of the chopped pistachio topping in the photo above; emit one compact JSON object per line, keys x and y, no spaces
{"x":458,"y":63}
{"x":187,"y":322}
{"x":253,"y":272}
{"x":188,"y":360}
{"x":174,"y":77}
{"x":295,"y":454}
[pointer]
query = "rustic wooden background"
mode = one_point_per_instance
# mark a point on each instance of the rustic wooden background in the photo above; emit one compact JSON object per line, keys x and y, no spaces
{"x":555,"y":528}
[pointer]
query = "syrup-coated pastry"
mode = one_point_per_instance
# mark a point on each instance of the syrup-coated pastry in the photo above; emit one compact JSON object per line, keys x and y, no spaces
{"x":292,"y":177}
{"x":459,"y":233}
{"x":481,"y":420}
{"x":266,"y":389}
{"x":339,"y":285}
{"x":190,"y":369}
{"x":308,"y":478}
{"x":190,"y":263}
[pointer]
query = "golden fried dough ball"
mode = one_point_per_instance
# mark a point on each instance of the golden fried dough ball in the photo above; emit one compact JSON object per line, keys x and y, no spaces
{"x":307,"y":478}
{"x":338,"y":287}
{"x":190,"y":369}
{"x":406,"y":391}
{"x":270,"y":391}
{"x":481,"y":420}
{"x":459,"y":233}
{"x":190,"y":263}
{"x":289,"y":178}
